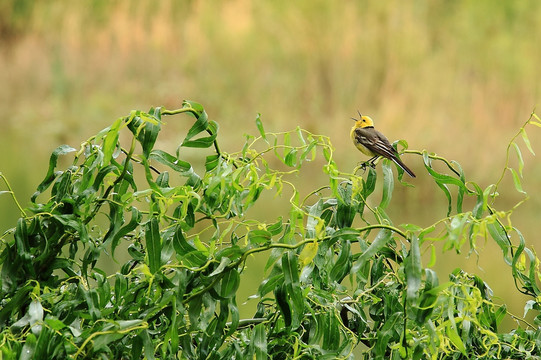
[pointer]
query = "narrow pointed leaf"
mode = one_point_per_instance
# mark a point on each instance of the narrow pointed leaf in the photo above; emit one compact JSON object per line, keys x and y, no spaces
{"x":526,"y":140}
{"x":50,"y":176}
{"x":383,"y":237}
{"x":413,"y":270}
{"x":500,"y":236}
{"x":259,"y":125}
{"x":172,"y":161}
{"x":516,"y":181}
{"x":111,"y":139}
{"x":388,"y":185}
{"x":154,"y":245}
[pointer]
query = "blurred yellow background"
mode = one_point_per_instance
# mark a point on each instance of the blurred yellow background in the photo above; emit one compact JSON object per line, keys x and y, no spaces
{"x":457,"y":78}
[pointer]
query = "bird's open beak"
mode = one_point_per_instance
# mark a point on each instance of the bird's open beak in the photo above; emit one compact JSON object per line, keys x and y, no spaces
{"x":360,"y":116}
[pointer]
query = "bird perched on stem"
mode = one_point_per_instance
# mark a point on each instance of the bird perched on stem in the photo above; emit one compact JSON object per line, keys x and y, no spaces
{"x":373,"y":143}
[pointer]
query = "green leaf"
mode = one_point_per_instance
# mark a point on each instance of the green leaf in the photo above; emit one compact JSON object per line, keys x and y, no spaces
{"x":309,"y":150}
{"x":293,"y":288}
{"x":212,"y":162}
{"x":22,"y":245}
{"x":280,"y":294}
{"x":230,"y":284}
{"x":499,"y":235}
{"x":388,"y":185}
{"x":331,"y":334}
{"x":203,"y":142}
{"x":314,"y":212}
{"x":270,"y":284}
{"x":259,"y":125}
{"x":50,"y":176}
{"x":499,"y":315}
{"x":428,"y":301}
{"x":519,"y":157}
{"x":453,"y":335}
{"x":125,"y":230}
{"x":113,"y":332}
{"x":35,"y":316}
{"x":382,"y":239}
{"x":455,"y":232}
{"x":526,"y":140}
{"x":291,"y":158}
{"x":200,"y":124}
{"x":308,"y":253}
{"x":327,"y":153}
{"x":62,"y":186}
{"x":153,"y":244}
{"x":187,"y":252}
{"x":287,"y":141}
{"x":276,"y":228}
{"x":533,"y":274}
{"x":516,"y":181}
{"x":298,"y":130}
{"x":44,"y":343}
{"x":54,"y":323}
{"x":92,"y":301}
{"x":29,"y":347}
{"x":343,"y":264}
{"x":259,"y":237}
{"x":196,"y":107}
{"x":443,"y":180}
{"x":462,"y":190}
{"x":345,"y":208}
{"x":103,"y":172}
{"x":387,"y":332}
{"x":224,"y":262}
{"x":110,"y":142}
{"x":258,"y":342}
{"x":147,"y":344}
{"x":431,"y":279}
{"x":369,"y":185}
{"x":413,"y":269}
{"x":480,"y":205}
{"x":170,"y":160}
{"x":447,"y":193}
{"x":433,"y":256}
{"x":163,"y":180}
{"x":235,"y":317}
{"x":530,"y":305}
{"x":172,"y":336}
{"x":149,"y":134}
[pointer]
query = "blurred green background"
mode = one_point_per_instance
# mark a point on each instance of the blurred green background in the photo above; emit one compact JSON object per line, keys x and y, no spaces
{"x":457,"y":78}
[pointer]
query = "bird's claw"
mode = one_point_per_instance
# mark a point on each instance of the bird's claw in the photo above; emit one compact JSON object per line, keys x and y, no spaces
{"x":364,"y":164}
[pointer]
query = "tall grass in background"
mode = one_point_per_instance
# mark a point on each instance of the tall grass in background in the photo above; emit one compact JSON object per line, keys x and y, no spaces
{"x":456,"y":78}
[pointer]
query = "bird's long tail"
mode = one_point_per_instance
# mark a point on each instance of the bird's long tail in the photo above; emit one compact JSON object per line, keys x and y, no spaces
{"x":403,"y":166}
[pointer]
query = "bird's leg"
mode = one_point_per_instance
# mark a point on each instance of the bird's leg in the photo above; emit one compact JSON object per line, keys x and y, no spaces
{"x":369,"y":162}
{"x":372,"y":161}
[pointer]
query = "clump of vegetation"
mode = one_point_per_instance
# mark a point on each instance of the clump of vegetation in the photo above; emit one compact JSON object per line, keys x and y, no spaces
{"x":341,"y":278}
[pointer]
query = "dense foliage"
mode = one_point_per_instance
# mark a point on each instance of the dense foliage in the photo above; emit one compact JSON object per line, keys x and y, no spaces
{"x":341,"y":280}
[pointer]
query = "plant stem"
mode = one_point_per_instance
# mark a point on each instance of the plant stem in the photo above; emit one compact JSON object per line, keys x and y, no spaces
{"x":10,"y":191}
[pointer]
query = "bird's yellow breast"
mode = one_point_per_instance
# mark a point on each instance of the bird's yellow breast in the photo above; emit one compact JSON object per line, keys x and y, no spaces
{"x":358,"y":144}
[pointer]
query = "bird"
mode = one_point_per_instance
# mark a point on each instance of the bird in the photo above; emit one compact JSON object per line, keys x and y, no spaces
{"x":373,"y":143}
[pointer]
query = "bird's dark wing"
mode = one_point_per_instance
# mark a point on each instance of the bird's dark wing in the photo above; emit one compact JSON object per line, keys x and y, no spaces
{"x":375,"y":142}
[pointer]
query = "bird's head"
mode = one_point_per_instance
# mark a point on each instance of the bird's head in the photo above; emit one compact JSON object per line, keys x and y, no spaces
{"x":363,"y":121}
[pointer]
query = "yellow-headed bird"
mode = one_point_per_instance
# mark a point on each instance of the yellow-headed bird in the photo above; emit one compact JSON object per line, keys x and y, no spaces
{"x":373,"y":143}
